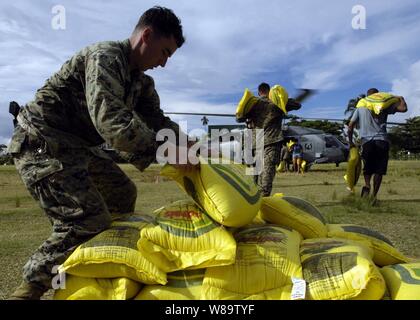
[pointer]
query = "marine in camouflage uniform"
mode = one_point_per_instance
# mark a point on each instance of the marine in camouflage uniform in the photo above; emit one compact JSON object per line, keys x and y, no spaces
{"x":96,"y":97}
{"x":267,"y":116}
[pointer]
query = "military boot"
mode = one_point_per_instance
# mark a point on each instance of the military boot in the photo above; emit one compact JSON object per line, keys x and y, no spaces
{"x":28,"y":291}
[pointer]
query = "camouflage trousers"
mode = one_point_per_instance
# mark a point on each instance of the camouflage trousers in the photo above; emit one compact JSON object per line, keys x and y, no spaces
{"x":78,"y":191}
{"x":271,"y":159}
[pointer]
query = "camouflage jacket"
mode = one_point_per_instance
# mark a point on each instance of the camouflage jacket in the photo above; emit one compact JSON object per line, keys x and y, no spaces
{"x":94,"y":98}
{"x":266,"y":115}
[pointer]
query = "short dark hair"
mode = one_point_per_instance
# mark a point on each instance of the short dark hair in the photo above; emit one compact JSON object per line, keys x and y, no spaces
{"x":264,"y":87}
{"x":372,"y":91}
{"x":164,"y":22}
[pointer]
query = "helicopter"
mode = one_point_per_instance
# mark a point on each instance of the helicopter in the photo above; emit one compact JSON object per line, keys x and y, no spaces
{"x":5,"y":157}
{"x":319,"y":147}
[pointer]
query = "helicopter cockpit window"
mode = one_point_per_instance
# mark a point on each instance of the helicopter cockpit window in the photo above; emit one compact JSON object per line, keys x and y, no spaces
{"x":330,"y":142}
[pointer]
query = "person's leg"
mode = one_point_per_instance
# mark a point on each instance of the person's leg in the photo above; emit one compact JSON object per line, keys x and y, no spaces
{"x":369,"y":158}
{"x":256,"y":178}
{"x":381,"y":164}
{"x":283,"y":166}
{"x":73,"y":205}
{"x":368,"y":178}
{"x":77,"y":212}
{"x":271,"y":156}
{"x":116,"y":188}
{"x":254,"y":165}
{"x":288,"y":161}
{"x":299,"y":164}
{"x":377,"y":180}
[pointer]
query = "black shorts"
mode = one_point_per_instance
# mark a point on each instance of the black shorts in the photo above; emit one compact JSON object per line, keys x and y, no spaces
{"x":375,"y":155}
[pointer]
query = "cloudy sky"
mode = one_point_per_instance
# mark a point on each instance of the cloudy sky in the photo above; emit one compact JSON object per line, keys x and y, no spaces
{"x":231,"y":45}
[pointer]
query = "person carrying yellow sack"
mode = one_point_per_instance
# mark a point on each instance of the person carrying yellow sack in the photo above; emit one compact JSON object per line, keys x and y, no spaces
{"x":374,"y":140}
{"x":263,"y":113}
{"x":285,"y":158}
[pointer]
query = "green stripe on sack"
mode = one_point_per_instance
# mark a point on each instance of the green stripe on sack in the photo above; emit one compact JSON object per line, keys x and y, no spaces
{"x":115,"y":236}
{"x":190,"y":188}
{"x":306,"y":207}
{"x":367,"y":232}
{"x":238,"y":184}
{"x":184,"y":279}
{"x":379,"y":100}
{"x":261,"y":234}
{"x":185,"y":228}
{"x":405,"y":274}
{"x":320,"y":247}
{"x":326,"y":266}
{"x":221,"y":167}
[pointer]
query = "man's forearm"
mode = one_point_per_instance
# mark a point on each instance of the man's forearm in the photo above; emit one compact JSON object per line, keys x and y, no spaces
{"x":350,"y":135}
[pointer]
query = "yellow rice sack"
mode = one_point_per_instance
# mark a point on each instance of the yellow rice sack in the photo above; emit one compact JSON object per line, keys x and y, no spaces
{"x":354,"y":168}
{"x":338,"y":269}
{"x":295,"y":213}
{"x":303,"y":165}
{"x":403,"y":281}
{"x":384,"y":251}
{"x":282,"y":166}
{"x":223,"y":191}
{"x":245,"y":105}
{"x":290,"y":144}
{"x":184,"y":237}
{"x":182,"y":285}
{"x":78,"y":288}
{"x":377,"y":102}
{"x":279,"y":96}
{"x":113,"y":254}
{"x":267,"y":264}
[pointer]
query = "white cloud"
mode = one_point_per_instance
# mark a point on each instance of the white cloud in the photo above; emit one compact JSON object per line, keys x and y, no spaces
{"x":409,"y":87}
{"x":182,"y":102}
{"x":5,"y":140}
{"x":352,"y":56}
{"x":6,"y":121}
{"x":11,"y":27}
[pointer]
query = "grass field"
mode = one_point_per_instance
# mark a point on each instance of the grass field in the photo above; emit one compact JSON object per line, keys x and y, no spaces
{"x":23,"y":226}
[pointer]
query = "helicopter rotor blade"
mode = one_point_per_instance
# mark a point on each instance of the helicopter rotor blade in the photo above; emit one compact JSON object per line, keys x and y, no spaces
{"x":305,"y":94}
{"x":293,"y":117}
{"x":202,"y":114}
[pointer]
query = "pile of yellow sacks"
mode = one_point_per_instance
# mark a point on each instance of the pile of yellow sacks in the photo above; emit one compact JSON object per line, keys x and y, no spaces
{"x":228,"y":242}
